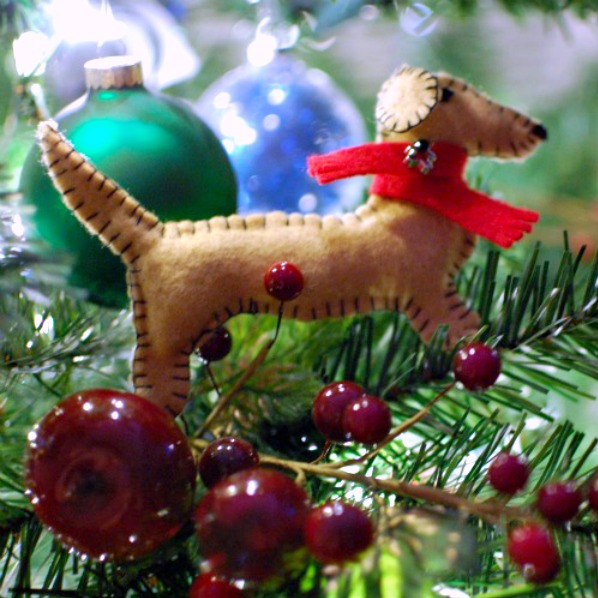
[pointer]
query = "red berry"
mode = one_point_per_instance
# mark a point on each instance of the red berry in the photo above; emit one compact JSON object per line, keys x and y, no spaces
{"x":329,"y":406}
{"x":283,"y":281}
{"x":593,"y":494}
{"x":367,"y":419}
{"x":337,"y":532}
{"x":224,"y":457}
{"x":559,"y":501}
{"x":248,"y":523}
{"x":210,"y":586}
{"x":110,"y":473}
{"x":508,"y":473}
{"x":217,"y":346}
{"x":532,"y":548}
{"x":477,"y":366}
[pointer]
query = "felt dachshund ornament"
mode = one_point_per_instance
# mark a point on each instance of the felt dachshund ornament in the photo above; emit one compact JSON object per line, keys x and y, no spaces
{"x":399,"y":251}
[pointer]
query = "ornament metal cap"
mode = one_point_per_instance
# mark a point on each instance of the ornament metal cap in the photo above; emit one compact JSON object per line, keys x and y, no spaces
{"x":113,"y":72}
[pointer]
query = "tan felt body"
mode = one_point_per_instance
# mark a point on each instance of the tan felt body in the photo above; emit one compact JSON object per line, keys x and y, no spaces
{"x":186,"y":278}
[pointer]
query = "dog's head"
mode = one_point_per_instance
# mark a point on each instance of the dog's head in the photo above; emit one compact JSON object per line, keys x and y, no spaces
{"x":416,"y":104}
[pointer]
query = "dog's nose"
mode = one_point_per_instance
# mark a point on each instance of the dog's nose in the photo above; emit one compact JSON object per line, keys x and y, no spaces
{"x":540,"y":131}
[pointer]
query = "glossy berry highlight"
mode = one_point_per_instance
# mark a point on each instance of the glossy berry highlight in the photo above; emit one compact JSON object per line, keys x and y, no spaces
{"x":329,"y":406}
{"x":217,"y":346}
{"x":477,"y":366}
{"x":283,"y":281}
{"x":337,"y":532}
{"x":226,"y":456}
{"x":110,"y":473}
{"x":559,"y":502}
{"x":508,"y":473}
{"x":367,"y":420}
{"x":210,"y":586}
{"x":532,"y":548}
{"x":249,"y":524}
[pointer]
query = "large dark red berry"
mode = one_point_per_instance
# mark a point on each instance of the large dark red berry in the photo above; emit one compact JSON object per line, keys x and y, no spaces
{"x":250,"y":522}
{"x":329,"y":406}
{"x":367,"y":419}
{"x":217,"y":346}
{"x":477,"y":366}
{"x":110,"y":473}
{"x":508,"y":472}
{"x":559,"y":501}
{"x":593,"y":494}
{"x":283,"y":281}
{"x":224,"y":457}
{"x":336,"y":532}
{"x":210,"y":586}
{"x":532,"y":548}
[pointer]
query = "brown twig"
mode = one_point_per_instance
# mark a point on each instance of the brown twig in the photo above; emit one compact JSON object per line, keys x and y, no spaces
{"x":491,"y":512}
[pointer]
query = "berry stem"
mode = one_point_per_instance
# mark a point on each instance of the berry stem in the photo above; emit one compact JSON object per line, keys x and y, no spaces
{"x":397,"y":431}
{"x":212,"y":378}
{"x":225,"y":399}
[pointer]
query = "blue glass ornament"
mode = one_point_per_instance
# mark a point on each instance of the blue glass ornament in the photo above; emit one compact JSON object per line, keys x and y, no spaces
{"x":270,"y":119}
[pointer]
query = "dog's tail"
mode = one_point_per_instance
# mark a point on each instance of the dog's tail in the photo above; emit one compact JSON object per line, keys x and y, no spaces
{"x":105,"y":209}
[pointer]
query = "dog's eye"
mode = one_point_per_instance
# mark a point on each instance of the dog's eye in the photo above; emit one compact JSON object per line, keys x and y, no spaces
{"x":447,"y":94}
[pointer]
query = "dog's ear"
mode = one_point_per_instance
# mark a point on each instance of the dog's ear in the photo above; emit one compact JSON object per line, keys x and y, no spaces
{"x":406,"y":99}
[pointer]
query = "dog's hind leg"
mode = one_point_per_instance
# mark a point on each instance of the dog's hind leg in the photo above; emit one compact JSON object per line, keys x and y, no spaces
{"x":444,"y":305}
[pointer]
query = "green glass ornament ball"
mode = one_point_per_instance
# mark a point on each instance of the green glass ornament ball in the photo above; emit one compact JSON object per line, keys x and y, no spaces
{"x":153,"y":146}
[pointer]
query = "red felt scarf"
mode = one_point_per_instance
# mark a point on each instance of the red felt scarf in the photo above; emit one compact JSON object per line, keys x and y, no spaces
{"x":443,"y":189}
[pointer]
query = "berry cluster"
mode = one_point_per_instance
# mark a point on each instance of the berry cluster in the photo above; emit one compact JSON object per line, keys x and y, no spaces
{"x":343,"y":411}
{"x":531,"y":545}
{"x":113,"y":476}
{"x":255,"y":523}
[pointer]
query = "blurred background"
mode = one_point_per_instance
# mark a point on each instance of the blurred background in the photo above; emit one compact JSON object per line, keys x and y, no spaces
{"x":544,"y":63}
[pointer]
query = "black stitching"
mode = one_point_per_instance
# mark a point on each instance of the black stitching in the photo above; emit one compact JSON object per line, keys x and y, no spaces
{"x":465,"y":314}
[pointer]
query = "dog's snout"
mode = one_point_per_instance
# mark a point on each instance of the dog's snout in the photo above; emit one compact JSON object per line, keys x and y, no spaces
{"x":540,"y":131}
